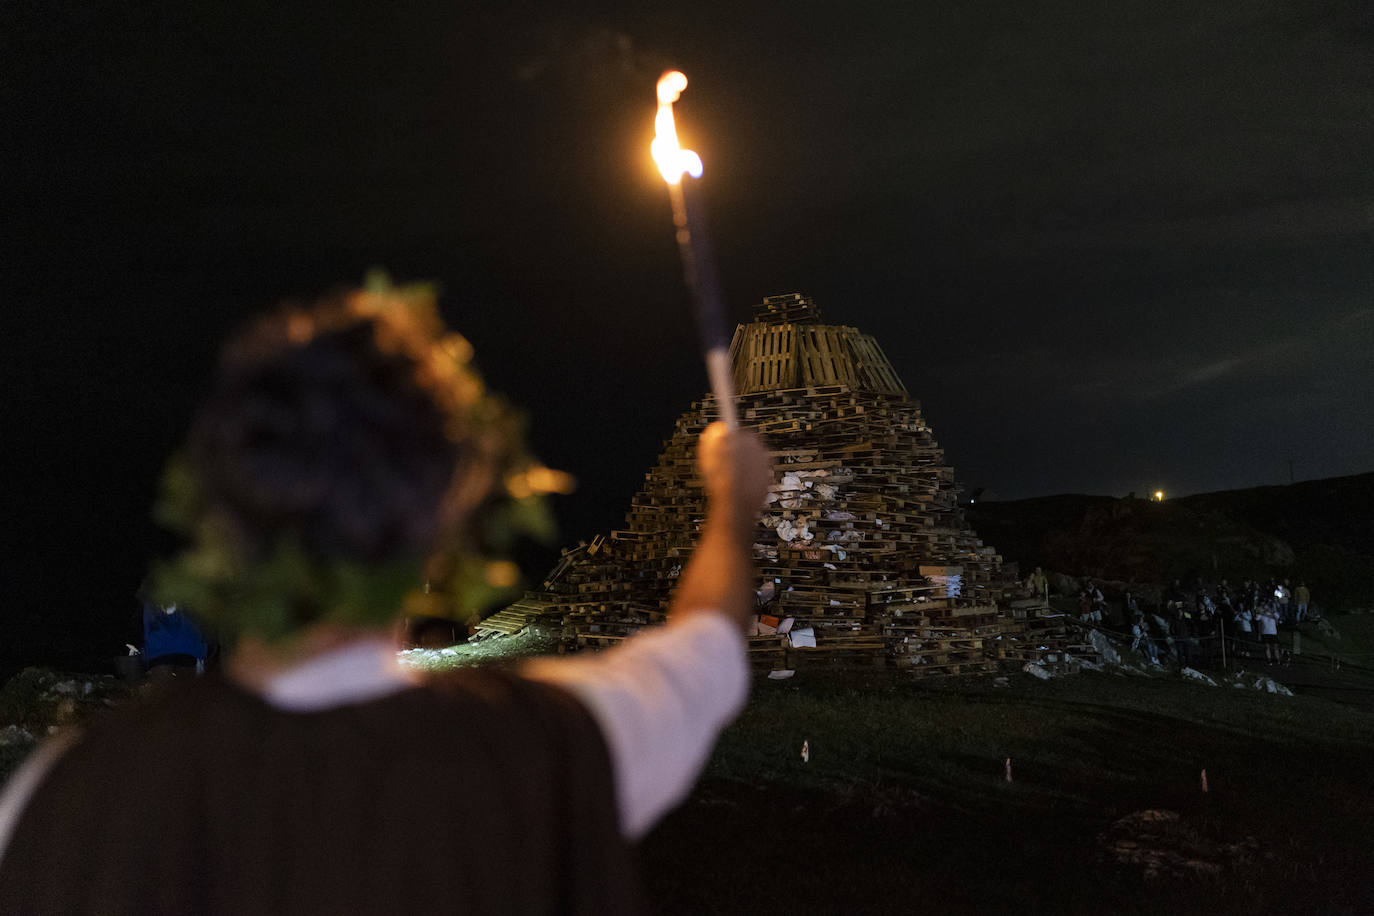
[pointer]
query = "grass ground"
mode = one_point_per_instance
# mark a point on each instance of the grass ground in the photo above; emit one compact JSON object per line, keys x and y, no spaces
{"x":904,"y":803}
{"x":1353,"y":642}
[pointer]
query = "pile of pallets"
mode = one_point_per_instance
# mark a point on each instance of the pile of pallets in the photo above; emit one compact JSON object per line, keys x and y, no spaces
{"x":1029,"y":630}
{"x":862,"y":541}
{"x":791,"y":308}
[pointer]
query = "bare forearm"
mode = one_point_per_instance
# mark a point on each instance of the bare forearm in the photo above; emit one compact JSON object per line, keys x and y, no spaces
{"x":720,"y":575}
{"x":736,"y":473}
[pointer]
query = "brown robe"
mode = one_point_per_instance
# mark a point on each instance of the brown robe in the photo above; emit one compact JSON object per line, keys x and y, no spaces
{"x":483,"y":793}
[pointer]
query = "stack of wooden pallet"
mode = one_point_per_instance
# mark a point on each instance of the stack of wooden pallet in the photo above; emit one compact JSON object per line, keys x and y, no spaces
{"x":1032,"y":631}
{"x":862,"y":542}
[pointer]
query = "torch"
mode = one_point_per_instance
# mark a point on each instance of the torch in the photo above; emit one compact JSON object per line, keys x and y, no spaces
{"x":694,"y":244}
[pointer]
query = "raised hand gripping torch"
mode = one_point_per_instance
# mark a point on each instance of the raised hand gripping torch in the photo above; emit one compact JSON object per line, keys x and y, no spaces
{"x":694,"y":244}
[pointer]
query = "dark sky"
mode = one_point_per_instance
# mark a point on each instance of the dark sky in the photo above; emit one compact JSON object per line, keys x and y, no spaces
{"x":1110,"y":247}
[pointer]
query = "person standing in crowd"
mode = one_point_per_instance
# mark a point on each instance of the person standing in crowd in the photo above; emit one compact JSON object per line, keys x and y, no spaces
{"x":171,"y":642}
{"x":1226,"y":615}
{"x":1269,"y":631}
{"x":1158,"y":626}
{"x":1141,"y":641}
{"x":1173,"y":594}
{"x":1244,"y":632}
{"x":1183,"y":635}
{"x":1099,"y":603}
{"x":1206,"y":625}
{"x":1303,"y":597}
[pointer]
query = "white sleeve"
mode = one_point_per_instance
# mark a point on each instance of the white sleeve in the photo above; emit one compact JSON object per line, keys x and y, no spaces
{"x":27,"y":779}
{"x":660,"y":698}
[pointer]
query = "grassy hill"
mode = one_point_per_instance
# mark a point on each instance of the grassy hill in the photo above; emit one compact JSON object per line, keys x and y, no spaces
{"x":1321,"y":531}
{"x":904,"y":806}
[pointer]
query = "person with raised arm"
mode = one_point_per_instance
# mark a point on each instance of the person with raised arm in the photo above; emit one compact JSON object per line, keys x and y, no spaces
{"x":346,"y":455}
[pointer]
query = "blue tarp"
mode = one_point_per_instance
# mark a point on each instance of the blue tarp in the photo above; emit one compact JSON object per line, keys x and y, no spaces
{"x":170,"y":634}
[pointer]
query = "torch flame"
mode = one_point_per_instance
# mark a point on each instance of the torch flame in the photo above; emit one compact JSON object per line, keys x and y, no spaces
{"x":672,"y":159}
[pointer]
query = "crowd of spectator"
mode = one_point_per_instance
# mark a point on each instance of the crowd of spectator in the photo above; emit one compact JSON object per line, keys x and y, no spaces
{"x":1192,"y":623}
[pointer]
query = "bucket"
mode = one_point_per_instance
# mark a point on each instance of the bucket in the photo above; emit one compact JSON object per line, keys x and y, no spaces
{"x":128,"y":667}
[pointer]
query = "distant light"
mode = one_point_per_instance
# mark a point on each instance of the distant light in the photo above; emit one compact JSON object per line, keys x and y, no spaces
{"x":1159,"y":496}
{"x":972,"y":501}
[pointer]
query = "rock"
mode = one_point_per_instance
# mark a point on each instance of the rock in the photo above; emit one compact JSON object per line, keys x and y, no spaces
{"x":12,"y":735}
{"x":1246,"y":681}
{"x":1104,"y":647}
{"x":1196,"y":675}
{"x":1162,"y":844}
{"x":1325,"y":627}
{"x":1038,"y":670}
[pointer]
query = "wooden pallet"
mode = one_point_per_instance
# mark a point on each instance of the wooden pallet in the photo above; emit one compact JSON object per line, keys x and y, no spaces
{"x":512,"y":619}
{"x":865,"y":491}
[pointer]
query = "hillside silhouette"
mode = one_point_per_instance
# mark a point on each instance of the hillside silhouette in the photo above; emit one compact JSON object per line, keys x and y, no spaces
{"x":1320,"y":531}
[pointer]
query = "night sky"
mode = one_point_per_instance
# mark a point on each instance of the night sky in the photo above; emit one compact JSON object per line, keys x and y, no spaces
{"x":1110,"y":247}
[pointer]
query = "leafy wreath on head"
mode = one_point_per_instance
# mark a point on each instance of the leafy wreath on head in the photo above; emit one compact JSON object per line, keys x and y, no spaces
{"x":274,"y":591}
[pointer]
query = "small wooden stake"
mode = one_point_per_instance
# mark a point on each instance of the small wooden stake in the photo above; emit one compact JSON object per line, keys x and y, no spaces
{"x":1204,"y":780}
{"x":1008,"y":769}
